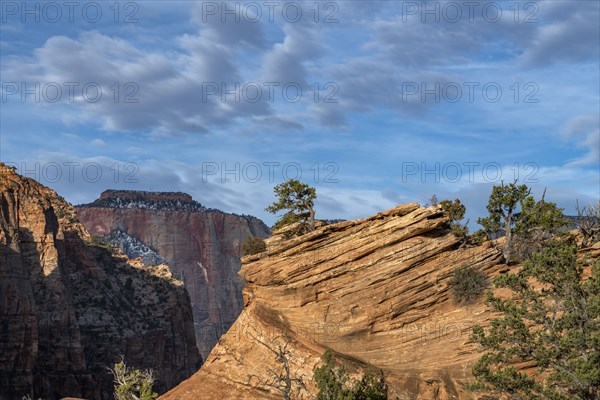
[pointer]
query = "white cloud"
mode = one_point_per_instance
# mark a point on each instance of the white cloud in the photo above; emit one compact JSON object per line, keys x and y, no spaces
{"x":584,"y":131}
{"x":368,"y":54}
{"x":390,"y":49}
{"x":98,"y":143}
{"x":286,"y":62}
{"x":573,"y":37}
{"x":142,"y":90}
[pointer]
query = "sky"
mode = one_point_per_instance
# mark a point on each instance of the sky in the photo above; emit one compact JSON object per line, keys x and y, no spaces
{"x":374,"y":103}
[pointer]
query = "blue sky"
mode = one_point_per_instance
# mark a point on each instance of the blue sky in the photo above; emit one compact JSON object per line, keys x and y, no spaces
{"x":373,"y":103}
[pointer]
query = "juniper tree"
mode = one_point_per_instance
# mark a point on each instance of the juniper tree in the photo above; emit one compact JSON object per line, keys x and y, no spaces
{"x":537,"y":222}
{"x":552,"y":320}
{"x":298,"y":198}
{"x":502,"y":206}
{"x":513,"y":211}
{"x":455,"y":211}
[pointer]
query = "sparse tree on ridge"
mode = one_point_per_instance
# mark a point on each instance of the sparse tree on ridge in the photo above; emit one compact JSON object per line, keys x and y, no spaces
{"x":455,"y":211}
{"x":502,"y":206}
{"x":298,"y":198}
{"x":433,"y":201}
{"x":514,"y":212}
{"x":588,"y":223}
{"x":283,"y":379}
{"x":537,"y":222}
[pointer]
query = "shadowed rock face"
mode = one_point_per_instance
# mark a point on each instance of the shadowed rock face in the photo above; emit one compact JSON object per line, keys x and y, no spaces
{"x":375,"y":291}
{"x":202,"y":246}
{"x":70,"y":308}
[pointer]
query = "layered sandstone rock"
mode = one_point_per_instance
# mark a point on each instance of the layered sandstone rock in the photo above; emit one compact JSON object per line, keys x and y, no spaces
{"x":375,"y":291}
{"x":71,"y":307}
{"x":202,"y":246}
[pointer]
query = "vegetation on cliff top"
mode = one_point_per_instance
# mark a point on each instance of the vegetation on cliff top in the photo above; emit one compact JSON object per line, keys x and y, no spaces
{"x":455,"y":211}
{"x":525,"y":223}
{"x":588,"y":222}
{"x":253,"y":245}
{"x":156,"y":201}
{"x":298,"y":198}
{"x":551,"y":319}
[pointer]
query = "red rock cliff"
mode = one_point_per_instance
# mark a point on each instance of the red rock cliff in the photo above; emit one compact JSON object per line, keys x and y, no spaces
{"x":202,"y":246}
{"x":69,"y":307}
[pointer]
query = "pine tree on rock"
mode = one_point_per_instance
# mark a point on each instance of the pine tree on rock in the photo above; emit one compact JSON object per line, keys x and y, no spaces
{"x":298,"y":198}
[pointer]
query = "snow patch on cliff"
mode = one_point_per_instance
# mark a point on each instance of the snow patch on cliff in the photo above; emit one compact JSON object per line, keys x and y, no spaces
{"x":133,"y":247}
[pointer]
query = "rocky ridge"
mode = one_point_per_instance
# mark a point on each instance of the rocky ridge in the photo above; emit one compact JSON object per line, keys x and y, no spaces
{"x":70,"y":306}
{"x":375,"y":291}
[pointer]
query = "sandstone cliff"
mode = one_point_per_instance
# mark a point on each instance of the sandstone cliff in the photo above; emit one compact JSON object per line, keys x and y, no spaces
{"x":375,"y":291}
{"x":70,"y":307}
{"x":202,"y":246}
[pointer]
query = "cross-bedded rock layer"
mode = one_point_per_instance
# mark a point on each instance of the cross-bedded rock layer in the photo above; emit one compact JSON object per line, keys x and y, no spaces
{"x":375,"y":291}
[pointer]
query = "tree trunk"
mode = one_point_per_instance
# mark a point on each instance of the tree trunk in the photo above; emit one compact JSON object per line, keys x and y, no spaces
{"x":311,"y":218}
{"x":508,"y":244}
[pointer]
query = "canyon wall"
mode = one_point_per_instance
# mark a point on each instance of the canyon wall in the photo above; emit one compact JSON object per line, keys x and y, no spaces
{"x":202,"y":246}
{"x":70,"y":306}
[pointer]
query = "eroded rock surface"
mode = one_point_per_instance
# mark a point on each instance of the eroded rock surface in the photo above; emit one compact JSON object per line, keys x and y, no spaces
{"x":375,"y":291}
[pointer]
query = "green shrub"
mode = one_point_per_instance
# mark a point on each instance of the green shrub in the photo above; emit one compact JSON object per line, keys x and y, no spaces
{"x":253,"y":245}
{"x":468,"y":284}
{"x":458,"y":230}
{"x":455,"y":211}
{"x":333,"y":383}
{"x":132,"y":384}
{"x":95,"y":241}
{"x":286,"y":219}
{"x":479,"y":237}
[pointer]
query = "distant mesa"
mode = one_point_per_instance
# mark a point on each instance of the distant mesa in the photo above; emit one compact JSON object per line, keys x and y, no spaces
{"x":136,"y":199}
{"x":142,"y":195}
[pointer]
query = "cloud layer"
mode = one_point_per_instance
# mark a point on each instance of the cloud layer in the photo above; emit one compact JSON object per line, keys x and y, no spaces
{"x":368,"y":86}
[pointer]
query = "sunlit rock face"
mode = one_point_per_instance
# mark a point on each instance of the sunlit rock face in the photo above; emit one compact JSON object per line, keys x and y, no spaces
{"x":375,"y":291}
